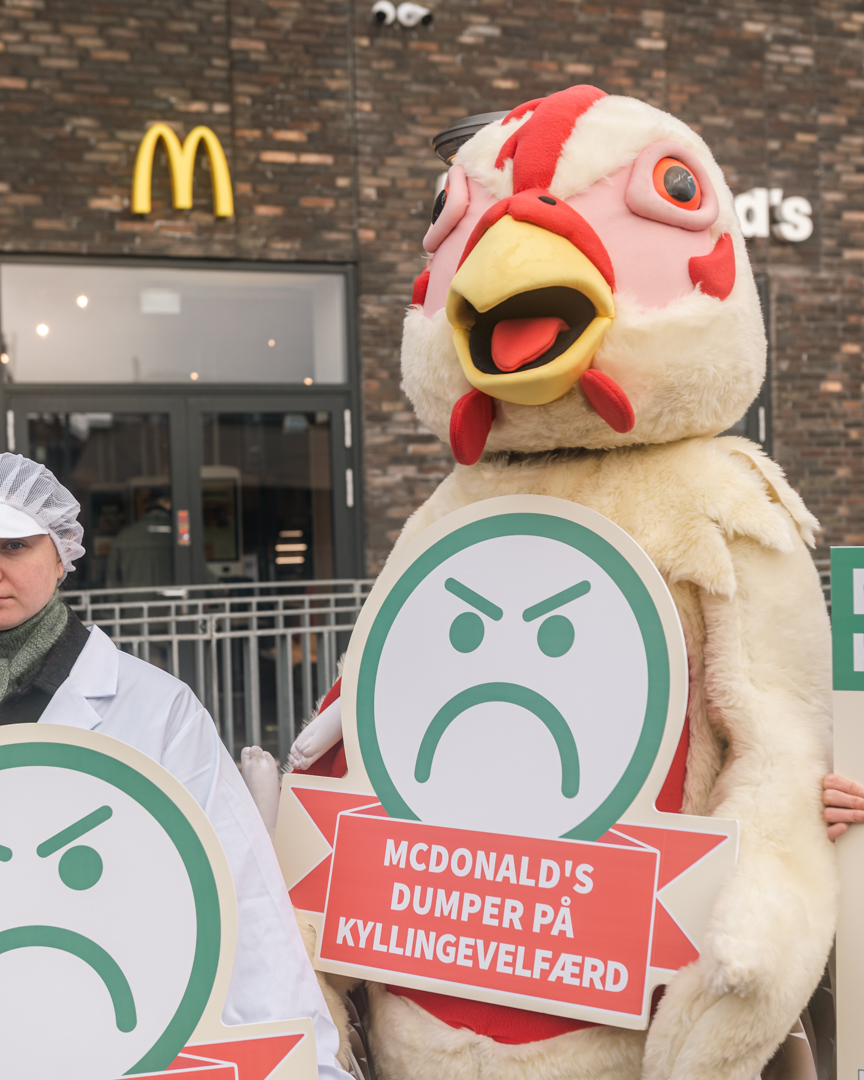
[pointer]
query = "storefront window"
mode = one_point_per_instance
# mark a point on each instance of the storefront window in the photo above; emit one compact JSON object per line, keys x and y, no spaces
{"x":118,"y":324}
{"x":118,"y":466}
{"x":266,"y":495}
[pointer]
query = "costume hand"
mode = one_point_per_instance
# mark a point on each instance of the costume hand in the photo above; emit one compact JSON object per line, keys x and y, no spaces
{"x":844,"y":804}
{"x":261,"y":773}
{"x":317,"y":737}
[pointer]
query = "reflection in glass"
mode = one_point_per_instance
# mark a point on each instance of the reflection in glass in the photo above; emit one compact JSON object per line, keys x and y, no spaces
{"x":266,"y":496}
{"x":267,"y":508}
{"x":117,"y":465}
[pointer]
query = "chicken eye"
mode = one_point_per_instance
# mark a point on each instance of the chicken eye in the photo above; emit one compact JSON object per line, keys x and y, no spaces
{"x":555,"y":635}
{"x":450,"y":206}
{"x":438,"y":205}
{"x":676,"y":184}
{"x":466,"y":632}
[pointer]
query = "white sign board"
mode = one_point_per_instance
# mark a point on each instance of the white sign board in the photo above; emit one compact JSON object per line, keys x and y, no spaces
{"x":512,"y":699}
{"x":118,"y":923}
{"x":847,"y":627}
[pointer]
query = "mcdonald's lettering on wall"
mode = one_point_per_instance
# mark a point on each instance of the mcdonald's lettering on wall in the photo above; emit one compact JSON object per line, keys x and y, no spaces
{"x":181,"y":161}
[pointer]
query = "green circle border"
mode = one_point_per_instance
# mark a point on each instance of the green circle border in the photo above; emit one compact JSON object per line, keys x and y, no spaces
{"x":635,"y":592}
{"x":191,"y":851}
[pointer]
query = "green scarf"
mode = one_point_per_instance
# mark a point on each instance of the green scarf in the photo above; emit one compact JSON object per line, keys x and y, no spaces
{"x":24,"y":647}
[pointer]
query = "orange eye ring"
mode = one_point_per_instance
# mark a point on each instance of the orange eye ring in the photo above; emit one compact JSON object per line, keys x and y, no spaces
{"x":675,"y":183}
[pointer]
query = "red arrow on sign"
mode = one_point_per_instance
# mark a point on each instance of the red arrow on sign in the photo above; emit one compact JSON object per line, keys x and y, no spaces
{"x":239,"y":1059}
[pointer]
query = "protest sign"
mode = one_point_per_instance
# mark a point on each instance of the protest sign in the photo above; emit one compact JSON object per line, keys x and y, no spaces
{"x":118,"y":922}
{"x":513,"y":697}
{"x":847,"y":628}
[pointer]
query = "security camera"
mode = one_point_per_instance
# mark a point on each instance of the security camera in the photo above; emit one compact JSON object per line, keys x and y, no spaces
{"x":413,"y":15}
{"x":383,"y":13}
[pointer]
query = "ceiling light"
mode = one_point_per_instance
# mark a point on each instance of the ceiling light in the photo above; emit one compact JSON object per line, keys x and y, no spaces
{"x":82,"y":301}
{"x":4,"y":358}
{"x":306,"y":382}
{"x":194,"y":376}
{"x":291,"y":547}
{"x":271,"y":342}
{"x":42,"y":330}
{"x":287,"y":534}
{"x":288,"y":559}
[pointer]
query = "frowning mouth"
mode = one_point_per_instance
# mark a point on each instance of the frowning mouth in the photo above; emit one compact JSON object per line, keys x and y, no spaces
{"x":506,"y":693}
{"x":105,"y":966}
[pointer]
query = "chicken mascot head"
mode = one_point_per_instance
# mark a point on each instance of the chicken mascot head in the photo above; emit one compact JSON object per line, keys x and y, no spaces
{"x":588,"y":286}
{"x":586,"y":327}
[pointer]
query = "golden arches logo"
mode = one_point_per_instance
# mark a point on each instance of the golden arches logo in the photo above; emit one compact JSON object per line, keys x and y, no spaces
{"x":181,"y":160}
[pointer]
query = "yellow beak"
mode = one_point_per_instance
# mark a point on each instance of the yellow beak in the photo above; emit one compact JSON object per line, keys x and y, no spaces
{"x":502,"y":278}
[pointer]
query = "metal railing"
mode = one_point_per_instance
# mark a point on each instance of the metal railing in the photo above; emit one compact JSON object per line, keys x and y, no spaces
{"x":258,"y":656}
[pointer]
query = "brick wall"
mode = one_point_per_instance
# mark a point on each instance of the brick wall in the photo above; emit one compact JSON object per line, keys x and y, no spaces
{"x":326,"y":120}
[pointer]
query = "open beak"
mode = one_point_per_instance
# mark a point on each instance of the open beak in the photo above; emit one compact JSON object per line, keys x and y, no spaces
{"x":529,"y":311}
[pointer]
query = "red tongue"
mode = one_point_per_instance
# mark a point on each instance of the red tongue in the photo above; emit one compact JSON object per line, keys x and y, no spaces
{"x":470,"y":421}
{"x":516,"y":342}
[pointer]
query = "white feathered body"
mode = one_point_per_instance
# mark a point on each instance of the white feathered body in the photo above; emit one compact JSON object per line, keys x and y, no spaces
{"x":730,"y":538}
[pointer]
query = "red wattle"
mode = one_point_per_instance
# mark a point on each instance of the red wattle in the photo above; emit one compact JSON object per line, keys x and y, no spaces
{"x":608,"y":400}
{"x":421,"y":285}
{"x":470,"y":422}
{"x":516,"y":342}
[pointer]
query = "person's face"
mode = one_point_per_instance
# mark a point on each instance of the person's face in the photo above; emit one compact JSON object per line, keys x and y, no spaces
{"x":29,"y":571}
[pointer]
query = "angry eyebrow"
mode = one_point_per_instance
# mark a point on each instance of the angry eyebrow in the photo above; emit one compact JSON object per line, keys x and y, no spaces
{"x":484,"y":606}
{"x":563,"y":597}
{"x":73,"y":831}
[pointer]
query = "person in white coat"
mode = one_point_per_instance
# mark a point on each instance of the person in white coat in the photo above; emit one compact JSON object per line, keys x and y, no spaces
{"x":53,"y":670}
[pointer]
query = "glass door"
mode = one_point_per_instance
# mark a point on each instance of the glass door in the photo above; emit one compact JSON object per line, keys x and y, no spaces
{"x":266,"y":496}
{"x":118,"y":458}
{"x":180,"y":489}
{"x":276,"y":485}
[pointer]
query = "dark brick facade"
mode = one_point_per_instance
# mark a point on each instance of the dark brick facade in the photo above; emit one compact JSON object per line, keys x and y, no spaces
{"x":326,"y":121}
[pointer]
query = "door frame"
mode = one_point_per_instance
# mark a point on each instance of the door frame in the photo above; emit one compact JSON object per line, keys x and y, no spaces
{"x":185,"y":407}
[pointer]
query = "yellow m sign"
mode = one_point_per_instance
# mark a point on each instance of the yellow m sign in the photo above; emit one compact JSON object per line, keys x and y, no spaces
{"x":181,"y":160}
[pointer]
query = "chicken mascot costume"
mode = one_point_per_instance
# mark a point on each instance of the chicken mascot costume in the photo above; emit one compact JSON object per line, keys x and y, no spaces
{"x":586,"y":326}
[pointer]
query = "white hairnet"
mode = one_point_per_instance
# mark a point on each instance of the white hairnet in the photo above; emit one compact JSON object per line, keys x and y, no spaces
{"x":31,"y":488}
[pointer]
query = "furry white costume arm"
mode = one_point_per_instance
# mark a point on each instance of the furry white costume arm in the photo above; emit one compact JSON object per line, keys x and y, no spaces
{"x":261,"y":774}
{"x":767,"y":688}
{"x":324,"y":731}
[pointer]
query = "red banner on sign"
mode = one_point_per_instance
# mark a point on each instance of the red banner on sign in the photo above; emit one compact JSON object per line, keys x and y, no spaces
{"x":574,"y":925}
{"x":553,"y":919}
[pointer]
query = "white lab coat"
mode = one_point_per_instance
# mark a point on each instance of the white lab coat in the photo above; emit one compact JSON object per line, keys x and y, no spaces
{"x":112,"y":692}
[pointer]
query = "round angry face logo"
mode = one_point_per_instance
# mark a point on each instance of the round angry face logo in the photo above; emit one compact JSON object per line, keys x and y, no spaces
{"x":515,"y":679}
{"x":109,"y":917}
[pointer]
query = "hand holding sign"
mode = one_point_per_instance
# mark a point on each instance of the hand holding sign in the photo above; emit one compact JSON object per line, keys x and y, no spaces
{"x":844,"y":804}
